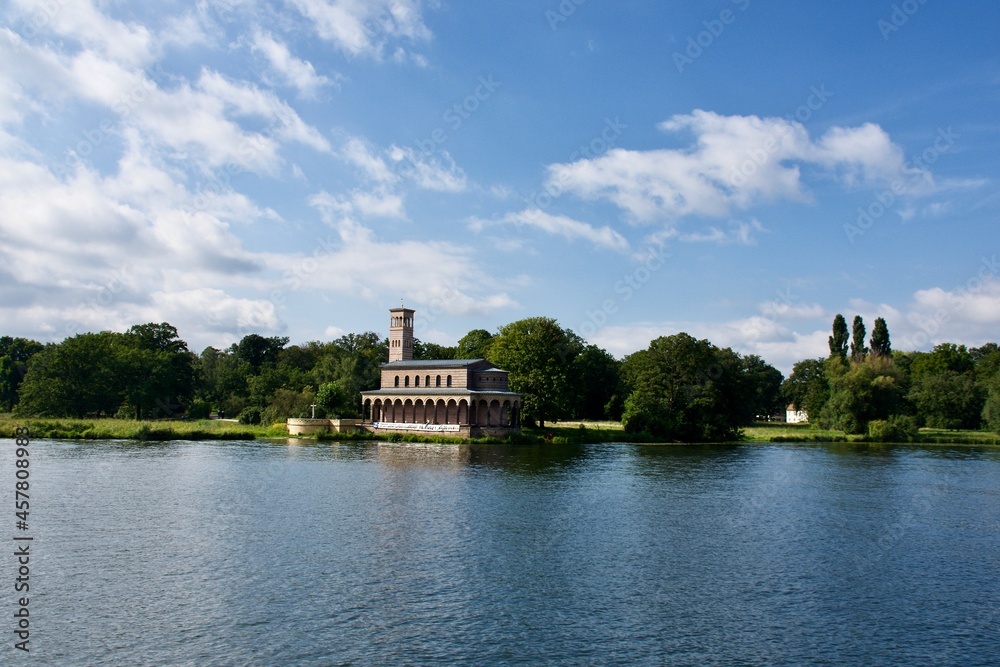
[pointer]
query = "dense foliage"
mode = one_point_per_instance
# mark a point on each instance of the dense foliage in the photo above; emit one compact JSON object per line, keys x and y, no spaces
{"x":679,"y":388}
{"x":687,"y":390}
{"x":885,"y":393}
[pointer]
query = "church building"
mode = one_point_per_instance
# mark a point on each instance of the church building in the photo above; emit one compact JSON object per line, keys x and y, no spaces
{"x":466,"y":397}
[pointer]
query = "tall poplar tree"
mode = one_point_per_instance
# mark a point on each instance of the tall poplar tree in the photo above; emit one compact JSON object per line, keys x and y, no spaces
{"x":858,"y":349}
{"x":880,"y":339}
{"x":838,"y":341}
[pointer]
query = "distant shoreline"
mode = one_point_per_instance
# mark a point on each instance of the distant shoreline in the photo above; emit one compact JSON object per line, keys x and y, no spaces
{"x":561,"y":433}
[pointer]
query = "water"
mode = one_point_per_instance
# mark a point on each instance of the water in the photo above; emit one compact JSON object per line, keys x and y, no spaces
{"x":291,"y":554}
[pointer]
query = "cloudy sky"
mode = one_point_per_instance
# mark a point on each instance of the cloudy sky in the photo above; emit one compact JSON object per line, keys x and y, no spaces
{"x":730,"y":168}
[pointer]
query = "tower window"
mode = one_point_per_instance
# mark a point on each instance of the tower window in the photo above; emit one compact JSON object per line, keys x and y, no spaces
{"x":438,"y":382}
{"x":449,"y":380}
{"x":406,"y":381}
{"x":397,"y":381}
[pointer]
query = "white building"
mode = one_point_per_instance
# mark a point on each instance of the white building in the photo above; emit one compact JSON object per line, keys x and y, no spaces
{"x":793,"y":416}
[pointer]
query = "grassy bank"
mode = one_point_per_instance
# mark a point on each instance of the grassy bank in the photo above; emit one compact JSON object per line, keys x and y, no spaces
{"x":127,"y":429}
{"x":777,"y":432}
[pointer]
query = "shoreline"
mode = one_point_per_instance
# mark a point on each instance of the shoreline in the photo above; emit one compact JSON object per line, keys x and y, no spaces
{"x":562,"y":433}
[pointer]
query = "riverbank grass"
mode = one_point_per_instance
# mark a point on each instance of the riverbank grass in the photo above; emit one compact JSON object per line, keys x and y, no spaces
{"x":778,"y":432}
{"x":128,"y":429}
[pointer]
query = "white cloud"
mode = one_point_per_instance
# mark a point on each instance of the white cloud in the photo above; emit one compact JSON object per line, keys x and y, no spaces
{"x":387,"y":173}
{"x":734,"y":163}
{"x":380,"y":203}
{"x":248,"y":100}
{"x":356,"y":262}
{"x":196,"y":122}
{"x":93,"y":252}
{"x":739,"y":232}
{"x":427,"y":172}
{"x":559,"y":225}
{"x":967,"y":314}
{"x":128,"y":44}
{"x":359,"y":152}
{"x":296,"y":72}
{"x":333,"y":332}
{"x":364,"y":27}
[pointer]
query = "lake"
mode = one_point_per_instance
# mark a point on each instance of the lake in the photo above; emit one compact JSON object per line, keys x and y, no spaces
{"x":211,"y":553}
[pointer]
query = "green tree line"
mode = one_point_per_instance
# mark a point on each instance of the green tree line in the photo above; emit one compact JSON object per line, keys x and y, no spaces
{"x":679,"y":388}
{"x":872,"y":389}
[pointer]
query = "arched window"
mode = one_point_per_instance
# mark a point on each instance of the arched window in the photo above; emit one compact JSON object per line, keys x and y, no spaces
{"x":427,"y":381}
{"x":406,"y":381}
{"x":416,"y":381}
{"x":396,"y":383}
{"x":438,"y":383}
{"x":449,"y":380}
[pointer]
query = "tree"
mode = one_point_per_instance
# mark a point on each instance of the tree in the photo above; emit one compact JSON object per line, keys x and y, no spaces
{"x":336,"y":399}
{"x":807,"y":387}
{"x":600,"y":393}
{"x":285,"y":403}
{"x":880,"y":339}
{"x":156,"y":370}
{"x":867,"y":390}
{"x":858,"y":349}
{"x":73,"y":379}
{"x":14,"y":356}
{"x":944,"y":390}
{"x":991,"y":407}
{"x":423,"y":351}
{"x":764,"y":386}
{"x":686,"y":390}
{"x":223,"y":379}
{"x":838,"y":341}
{"x":474,"y":345}
{"x":948,"y":400}
{"x":257,"y":350}
{"x":368,"y":352}
{"x":540,"y":356}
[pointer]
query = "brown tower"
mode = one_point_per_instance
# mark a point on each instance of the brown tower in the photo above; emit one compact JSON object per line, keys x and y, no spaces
{"x":400,"y":334}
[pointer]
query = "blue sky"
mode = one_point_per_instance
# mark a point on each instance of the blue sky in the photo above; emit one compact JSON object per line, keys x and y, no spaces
{"x":736,"y":169}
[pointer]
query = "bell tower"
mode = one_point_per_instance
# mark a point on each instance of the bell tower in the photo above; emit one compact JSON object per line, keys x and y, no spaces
{"x":400,"y":334}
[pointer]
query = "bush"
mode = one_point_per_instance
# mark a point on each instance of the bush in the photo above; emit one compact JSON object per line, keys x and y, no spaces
{"x":250,"y":415}
{"x":898,"y":428}
{"x":199,"y":410}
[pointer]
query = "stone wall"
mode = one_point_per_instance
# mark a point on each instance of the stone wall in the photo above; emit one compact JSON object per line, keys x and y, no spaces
{"x":311,"y":426}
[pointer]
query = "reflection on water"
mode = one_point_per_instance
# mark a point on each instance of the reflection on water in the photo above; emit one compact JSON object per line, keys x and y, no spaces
{"x":389,"y":553}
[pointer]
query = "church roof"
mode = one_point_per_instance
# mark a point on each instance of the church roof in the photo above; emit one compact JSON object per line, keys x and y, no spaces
{"x":418,"y":392}
{"x":435,"y":363}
